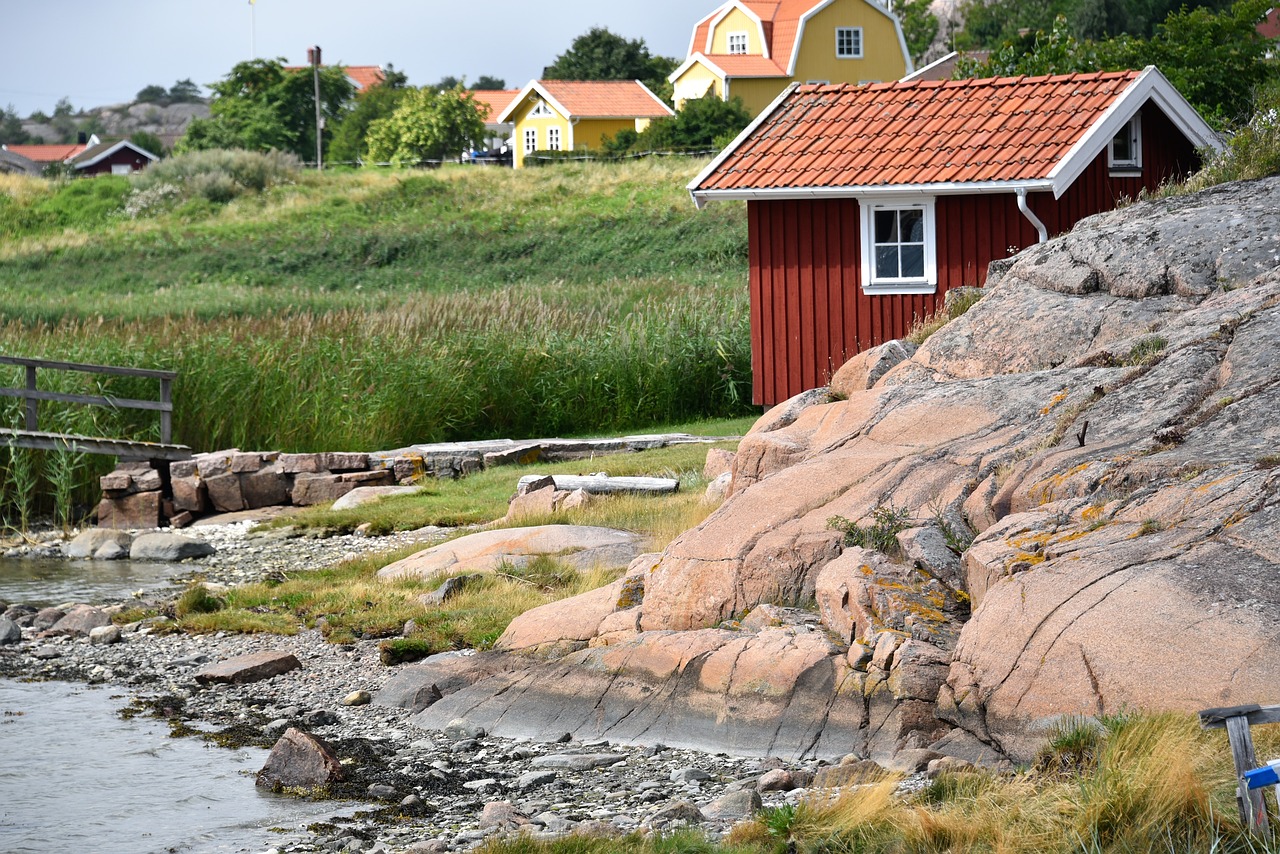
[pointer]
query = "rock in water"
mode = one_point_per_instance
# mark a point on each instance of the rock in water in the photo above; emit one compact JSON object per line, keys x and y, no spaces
{"x":88,"y":543}
{"x":168,"y":547}
{"x":300,"y":760}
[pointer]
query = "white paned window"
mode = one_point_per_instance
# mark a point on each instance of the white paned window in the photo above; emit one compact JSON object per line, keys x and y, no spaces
{"x":540,"y":111}
{"x":530,"y":140}
{"x":738,"y":43}
{"x":899,"y":247}
{"x":849,"y":42}
{"x":553,"y":139}
{"x":1125,"y":151}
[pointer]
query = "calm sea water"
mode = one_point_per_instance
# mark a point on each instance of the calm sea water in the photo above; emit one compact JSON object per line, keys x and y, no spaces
{"x":56,"y":581}
{"x":75,"y":777}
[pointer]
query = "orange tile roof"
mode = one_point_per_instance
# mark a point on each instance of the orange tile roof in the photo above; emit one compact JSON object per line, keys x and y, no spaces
{"x":497,"y":100}
{"x":925,"y":132}
{"x":48,"y":153}
{"x":737,"y":65}
{"x":605,"y":98}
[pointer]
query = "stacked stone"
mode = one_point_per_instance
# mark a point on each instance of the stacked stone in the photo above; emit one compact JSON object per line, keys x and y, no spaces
{"x":132,"y":497}
{"x":227,"y":481}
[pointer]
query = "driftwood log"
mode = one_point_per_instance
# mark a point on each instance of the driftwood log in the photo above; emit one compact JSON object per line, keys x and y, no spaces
{"x":602,"y":484}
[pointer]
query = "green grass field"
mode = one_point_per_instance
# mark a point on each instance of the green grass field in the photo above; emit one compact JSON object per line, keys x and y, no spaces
{"x":375,"y":309}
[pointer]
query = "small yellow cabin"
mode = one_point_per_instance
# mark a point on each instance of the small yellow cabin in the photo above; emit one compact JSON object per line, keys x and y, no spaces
{"x":754,"y":50}
{"x":578,"y":115}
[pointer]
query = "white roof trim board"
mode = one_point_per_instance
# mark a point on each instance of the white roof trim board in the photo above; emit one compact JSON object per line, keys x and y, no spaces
{"x":723,"y":13}
{"x":1150,"y":85}
{"x":102,"y":155}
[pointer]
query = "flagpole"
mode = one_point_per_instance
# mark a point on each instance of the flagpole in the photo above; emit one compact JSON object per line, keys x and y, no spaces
{"x":253,"y":30}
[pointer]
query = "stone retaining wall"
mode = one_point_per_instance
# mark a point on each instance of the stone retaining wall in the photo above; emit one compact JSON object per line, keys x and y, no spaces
{"x":149,"y":494}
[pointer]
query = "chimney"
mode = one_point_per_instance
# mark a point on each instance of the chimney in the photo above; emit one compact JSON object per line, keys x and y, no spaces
{"x":82,"y":138}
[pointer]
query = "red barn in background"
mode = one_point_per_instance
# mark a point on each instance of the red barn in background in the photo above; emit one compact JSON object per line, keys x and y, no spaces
{"x":867,"y":203}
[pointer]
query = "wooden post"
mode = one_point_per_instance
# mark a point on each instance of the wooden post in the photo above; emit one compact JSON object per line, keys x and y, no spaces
{"x":1253,"y":807}
{"x":33,"y":405}
{"x":166,"y":414}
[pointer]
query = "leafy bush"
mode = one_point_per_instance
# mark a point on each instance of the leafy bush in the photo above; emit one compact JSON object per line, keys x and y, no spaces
{"x":1254,"y":150}
{"x":217,"y":175}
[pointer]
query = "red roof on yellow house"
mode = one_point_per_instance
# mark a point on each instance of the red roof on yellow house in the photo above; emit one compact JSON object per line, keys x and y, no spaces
{"x":594,"y":99}
{"x":781,"y":26}
{"x":947,"y":136}
{"x":495,"y":100}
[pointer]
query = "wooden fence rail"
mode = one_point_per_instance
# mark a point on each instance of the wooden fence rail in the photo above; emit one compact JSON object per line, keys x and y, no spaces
{"x":31,"y":437}
{"x":1236,"y":720}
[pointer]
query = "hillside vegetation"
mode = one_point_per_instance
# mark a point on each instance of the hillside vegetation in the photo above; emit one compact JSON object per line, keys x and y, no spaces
{"x":377,"y":309}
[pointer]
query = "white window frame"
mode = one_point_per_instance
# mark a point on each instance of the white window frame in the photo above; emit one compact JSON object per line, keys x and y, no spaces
{"x":874,"y":284}
{"x":121,"y":169}
{"x":530,"y":140}
{"x":1132,"y":131}
{"x":855,"y":48}
{"x":540,"y":111}
{"x":741,"y":40}
{"x":553,"y":139}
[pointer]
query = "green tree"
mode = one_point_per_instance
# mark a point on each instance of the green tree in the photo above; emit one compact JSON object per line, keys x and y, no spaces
{"x":11,"y":131}
{"x":601,"y":55}
{"x":149,"y":141}
{"x":446,"y":83}
{"x":1055,"y":52}
{"x":919,"y":26}
{"x":152,"y":94}
{"x":428,"y":125}
{"x":701,"y":124}
{"x":1217,"y":60}
{"x":184,"y":92}
{"x":484,"y":81}
{"x":260,"y":106}
{"x":379,"y":102}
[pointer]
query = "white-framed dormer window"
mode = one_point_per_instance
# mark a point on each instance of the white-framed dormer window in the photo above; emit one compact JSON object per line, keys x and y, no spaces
{"x":1124,"y":154}
{"x":737,"y":43}
{"x":553,"y":139}
{"x":848,"y":42}
{"x":899,"y":246}
{"x":530,"y":140}
{"x":540,"y":111}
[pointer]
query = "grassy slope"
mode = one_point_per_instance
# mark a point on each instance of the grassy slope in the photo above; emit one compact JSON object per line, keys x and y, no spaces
{"x":367,"y":240}
{"x":376,"y":309}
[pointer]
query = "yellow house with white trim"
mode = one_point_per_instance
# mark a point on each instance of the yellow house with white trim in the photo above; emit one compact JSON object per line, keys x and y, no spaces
{"x":578,"y":115}
{"x":754,"y":49}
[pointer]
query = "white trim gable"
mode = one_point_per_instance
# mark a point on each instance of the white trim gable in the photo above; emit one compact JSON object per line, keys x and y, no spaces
{"x":724,"y":13}
{"x":533,"y":86}
{"x":804,"y":20}
{"x":1150,"y":86}
{"x":697,"y":59}
{"x":907,"y":78}
{"x":124,"y":143}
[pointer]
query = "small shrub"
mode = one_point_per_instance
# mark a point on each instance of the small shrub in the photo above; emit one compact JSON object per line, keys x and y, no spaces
{"x":881,"y":535}
{"x":403,"y":650}
{"x":216,"y":175}
{"x":1073,"y":746}
{"x":197,"y":599}
{"x":1149,"y":526}
{"x":1146,"y":350}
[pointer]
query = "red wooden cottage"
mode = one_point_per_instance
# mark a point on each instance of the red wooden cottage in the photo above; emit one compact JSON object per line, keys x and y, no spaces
{"x":867,"y":203}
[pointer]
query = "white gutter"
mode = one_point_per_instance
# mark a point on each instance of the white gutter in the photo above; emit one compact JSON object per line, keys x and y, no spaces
{"x":953,"y":188}
{"x":1031,"y":217}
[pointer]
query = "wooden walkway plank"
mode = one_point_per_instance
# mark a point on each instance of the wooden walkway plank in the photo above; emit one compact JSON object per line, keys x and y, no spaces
{"x":122,"y":448}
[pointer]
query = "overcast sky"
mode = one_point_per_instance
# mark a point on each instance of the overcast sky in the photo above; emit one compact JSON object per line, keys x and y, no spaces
{"x":99,"y":53}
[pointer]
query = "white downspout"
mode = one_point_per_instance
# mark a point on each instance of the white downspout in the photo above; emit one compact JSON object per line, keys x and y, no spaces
{"x":1031,"y":217}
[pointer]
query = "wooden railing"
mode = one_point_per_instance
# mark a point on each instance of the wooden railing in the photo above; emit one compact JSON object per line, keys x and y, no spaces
{"x":32,"y":437}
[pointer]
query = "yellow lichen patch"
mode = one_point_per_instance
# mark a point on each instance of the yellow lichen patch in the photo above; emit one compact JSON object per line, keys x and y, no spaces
{"x":1044,"y":490}
{"x":1092,"y":513}
{"x":865,"y":570}
{"x":1054,"y":401}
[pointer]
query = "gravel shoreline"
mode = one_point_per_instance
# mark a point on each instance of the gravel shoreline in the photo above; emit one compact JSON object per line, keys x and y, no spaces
{"x":427,"y":791}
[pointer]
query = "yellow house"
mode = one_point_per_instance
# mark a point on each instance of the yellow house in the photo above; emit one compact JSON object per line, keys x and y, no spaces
{"x":754,"y":49}
{"x":577,"y":115}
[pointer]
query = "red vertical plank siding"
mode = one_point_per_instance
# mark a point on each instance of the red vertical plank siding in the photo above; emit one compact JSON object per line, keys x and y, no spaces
{"x":791,"y":223}
{"x":809,"y":284}
{"x":759,"y":269}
